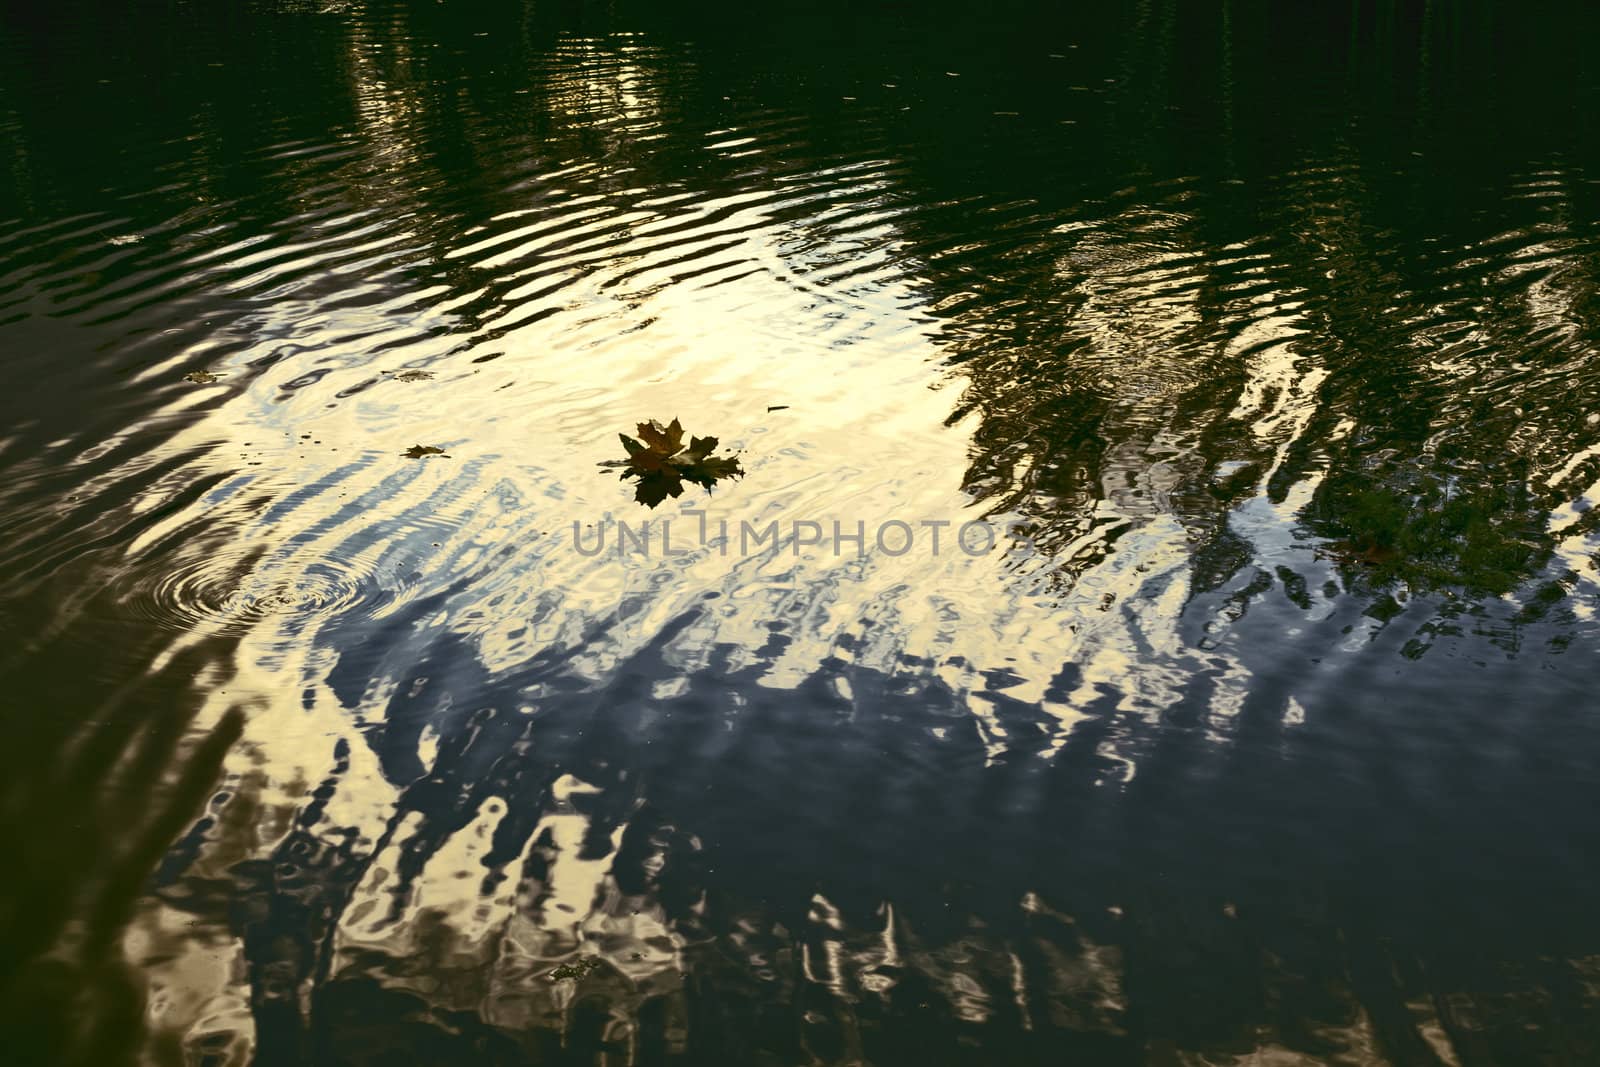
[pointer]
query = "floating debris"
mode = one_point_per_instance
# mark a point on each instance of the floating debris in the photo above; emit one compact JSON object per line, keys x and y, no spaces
{"x":200,"y":377}
{"x":777,"y":407}
{"x":575,"y":970}
{"x":418,"y":451}
{"x":661,"y":463}
{"x":413,"y":376}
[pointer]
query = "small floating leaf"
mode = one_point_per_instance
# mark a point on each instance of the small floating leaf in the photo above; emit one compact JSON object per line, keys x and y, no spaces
{"x":661,"y":463}
{"x":708,"y":471}
{"x":413,"y":376}
{"x":662,"y":440}
{"x":418,"y":451}
{"x":200,"y":377}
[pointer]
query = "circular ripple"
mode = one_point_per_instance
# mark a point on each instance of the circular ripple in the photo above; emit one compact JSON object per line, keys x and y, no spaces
{"x":239,"y":595}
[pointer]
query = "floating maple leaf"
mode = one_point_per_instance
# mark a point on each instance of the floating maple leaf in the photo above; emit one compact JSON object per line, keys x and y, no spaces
{"x":662,"y":463}
{"x":418,"y":451}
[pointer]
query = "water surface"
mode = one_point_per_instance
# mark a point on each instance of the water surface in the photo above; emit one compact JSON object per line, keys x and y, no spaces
{"x":1262,"y":734}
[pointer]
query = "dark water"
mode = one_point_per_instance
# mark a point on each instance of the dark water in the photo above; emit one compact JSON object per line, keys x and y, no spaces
{"x":1266,"y":334}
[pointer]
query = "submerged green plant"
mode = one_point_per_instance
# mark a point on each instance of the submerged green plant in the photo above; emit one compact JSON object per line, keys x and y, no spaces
{"x":577,"y":969}
{"x":1431,"y":534}
{"x":662,"y":462}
